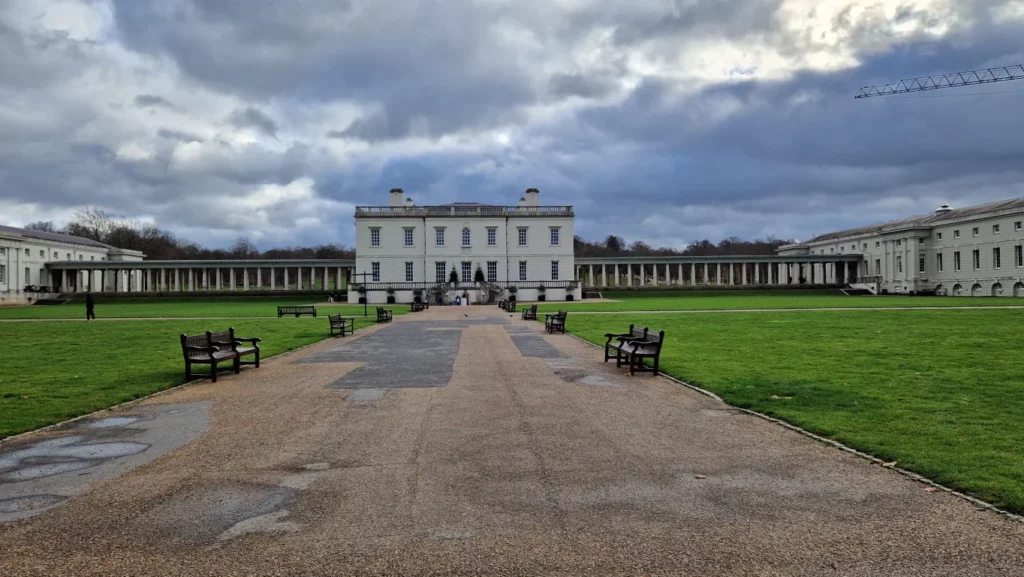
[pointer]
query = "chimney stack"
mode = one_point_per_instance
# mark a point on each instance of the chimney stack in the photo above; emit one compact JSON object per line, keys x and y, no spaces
{"x":396,"y":196}
{"x":532,"y":197}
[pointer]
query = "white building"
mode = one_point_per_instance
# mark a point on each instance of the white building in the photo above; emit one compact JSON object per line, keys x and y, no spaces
{"x":25,"y":255}
{"x":404,"y":248}
{"x":973,"y":251}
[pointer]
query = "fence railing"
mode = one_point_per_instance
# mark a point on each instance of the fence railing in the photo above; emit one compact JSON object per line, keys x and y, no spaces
{"x":407,"y":286}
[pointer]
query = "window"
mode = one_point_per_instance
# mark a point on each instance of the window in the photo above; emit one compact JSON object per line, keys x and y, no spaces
{"x":956,"y":261}
{"x":956,"y":234}
{"x":80,"y":257}
{"x":853,"y":247}
{"x":920,"y":264}
{"x":522,"y":236}
{"x":439,"y":270}
{"x":920,"y":240}
{"x":407,"y":234}
{"x":92,"y":257}
{"x":467,"y":271}
{"x":554,"y":236}
{"x":831,"y":250}
{"x":3,"y":250}
{"x":28,"y":276}
{"x":408,"y":272}
{"x":375,"y":271}
{"x":466,"y":237}
{"x":1018,"y":253}
{"x":439,"y":236}
{"x":995,"y":229}
{"x":878,"y":267}
{"x":938,"y":262}
{"x":69,"y":256}
{"x":974,"y":231}
{"x":997,"y":260}
{"x":842,"y":250}
{"x":492,"y":236}
{"x":522,"y":270}
{"x":28,"y":252}
{"x":42,"y":254}
{"x":374,"y":237}
{"x":865,"y":246}
{"x":899,"y":242}
{"x":976,"y":259}
{"x":1016,"y":226}
{"x":899,"y":264}
{"x":938,"y":236}
{"x":877,"y":244}
{"x":56,"y":254}
{"x":554,"y":270}
{"x":492,"y":271}
{"x":3,"y":272}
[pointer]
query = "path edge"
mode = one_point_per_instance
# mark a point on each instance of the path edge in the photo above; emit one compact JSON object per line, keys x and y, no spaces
{"x":985,"y":505}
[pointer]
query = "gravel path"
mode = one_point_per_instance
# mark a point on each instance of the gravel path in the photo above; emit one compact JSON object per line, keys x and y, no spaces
{"x":532,"y":459}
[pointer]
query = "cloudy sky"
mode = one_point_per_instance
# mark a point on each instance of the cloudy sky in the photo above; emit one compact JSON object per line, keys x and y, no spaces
{"x":661,"y":120}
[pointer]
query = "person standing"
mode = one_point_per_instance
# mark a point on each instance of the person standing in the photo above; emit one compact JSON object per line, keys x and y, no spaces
{"x":90,"y":306}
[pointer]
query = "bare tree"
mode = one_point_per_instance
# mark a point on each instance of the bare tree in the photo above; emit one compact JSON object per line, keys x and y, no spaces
{"x":43,"y":225}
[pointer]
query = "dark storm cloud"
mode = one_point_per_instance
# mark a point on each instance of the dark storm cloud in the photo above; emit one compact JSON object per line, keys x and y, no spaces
{"x":477,"y":101}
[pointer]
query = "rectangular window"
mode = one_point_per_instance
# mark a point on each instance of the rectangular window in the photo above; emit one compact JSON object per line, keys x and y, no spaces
{"x":899,"y":242}
{"x":92,"y":257}
{"x":554,"y":270}
{"x":877,"y":244}
{"x":492,"y":271}
{"x":920,"y":264}
{"x":938,"y":262}
{"x":956,"y":234}
{"x":554,"y":236}
{"x":69,"y":256}
{"x":408,"y":272}
{"x":439,"y":270}
{"x":3,"y":251}
{"x":974,"y":231}
{"x":522,"y":236}
{"x":997,"y":260}
{"x":3,"y":272}
{"x":407,"y":234}
{"x":492,"y":236}
{"x":853,"y":247}
{"x":42,"y":254}
{"x":956,"y":261}
{"x":374,"y":237}
{"x":466,"y":237}
{"x":1016,"y":226}
{"x":899,"y":264}
{"x":878,"y":267}
{"x":375,"y":271}
{"x":28,"y":276}
{"x":920,"y":240}
{"x":522,"y":270}
{"x":56,"y":254}
{"x":995,"y":229}
{"x":865,"y":247}
{"x":976,"y":259}
{"x":467,"y":271}
{"x":1018,"y":253}
{"x":938,"y":236}
{"x":439,"y":236}
{"x":28,"y":252}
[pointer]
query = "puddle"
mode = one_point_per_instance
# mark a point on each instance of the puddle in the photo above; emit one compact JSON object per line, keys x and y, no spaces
{"x":110,"y":422}
{"x":30,"y":503}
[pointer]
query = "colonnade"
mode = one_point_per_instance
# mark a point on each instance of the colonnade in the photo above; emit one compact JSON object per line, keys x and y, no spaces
{"x":127,"y":279}
{"x":710,"y":272}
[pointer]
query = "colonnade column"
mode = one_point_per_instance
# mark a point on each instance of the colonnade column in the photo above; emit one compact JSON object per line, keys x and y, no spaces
{"x":312,"y":278}
{"x":629,"y":275}
{"x":245,"y":278}
{"x":273,"y":278}
{"x":285,"y":278}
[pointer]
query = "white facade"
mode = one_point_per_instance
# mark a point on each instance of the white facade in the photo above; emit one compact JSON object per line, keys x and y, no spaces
{"x":974,"y":251}
{"x":24,"y":255}
{"x":405,"y":247}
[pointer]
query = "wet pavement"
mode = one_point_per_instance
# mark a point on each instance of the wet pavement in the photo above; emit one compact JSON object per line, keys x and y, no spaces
{"x":443,"y":444}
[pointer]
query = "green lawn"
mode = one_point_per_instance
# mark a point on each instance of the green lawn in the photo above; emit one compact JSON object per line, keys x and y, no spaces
{"x":940,"y":392}
{"x":55,"y":370}
{"x":184,"y":307}
{"x":800,"y":299}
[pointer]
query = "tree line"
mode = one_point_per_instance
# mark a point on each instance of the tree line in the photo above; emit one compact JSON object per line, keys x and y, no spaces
{"x":159,"y":244}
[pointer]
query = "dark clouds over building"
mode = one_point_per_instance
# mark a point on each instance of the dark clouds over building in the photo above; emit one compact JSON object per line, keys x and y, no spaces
{"x":659,"y":120}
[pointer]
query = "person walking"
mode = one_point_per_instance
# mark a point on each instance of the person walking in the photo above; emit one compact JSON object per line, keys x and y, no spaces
{"x":90,"y":306}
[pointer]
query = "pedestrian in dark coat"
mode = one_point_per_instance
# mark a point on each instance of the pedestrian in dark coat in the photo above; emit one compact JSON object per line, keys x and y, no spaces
{"x":90,"y":306}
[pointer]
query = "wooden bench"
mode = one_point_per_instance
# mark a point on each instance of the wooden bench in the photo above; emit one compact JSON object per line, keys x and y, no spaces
{"x":228,"y":340}
{"x":634,"y":347}
{"x":555,"y":322}
{"x":297,"y":311}
{"x":200,"y":350}
{"x":417,"y":307}
{"x":509,"y":306}
{"x":530,"y":314}
{"x":383,"y":315}
{"x":340,"y":323}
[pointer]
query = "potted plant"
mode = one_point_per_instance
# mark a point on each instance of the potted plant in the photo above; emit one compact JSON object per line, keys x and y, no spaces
{"x":361,"y":289}
{"x":540,"y":293}
{"x":572,"y":289}
{"x":512,"y":290}
{"x":417,"y":295}
{"x":391,"y":295}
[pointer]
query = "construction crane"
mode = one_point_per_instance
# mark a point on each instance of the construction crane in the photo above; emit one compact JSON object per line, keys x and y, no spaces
{"x":922,"y":83}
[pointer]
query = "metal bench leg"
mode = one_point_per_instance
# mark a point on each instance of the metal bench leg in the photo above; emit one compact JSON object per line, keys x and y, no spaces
{"x":257,"y":358}
{"x":213,"y":371}
{"x":188,"y":371}
{"x":238,"y":365}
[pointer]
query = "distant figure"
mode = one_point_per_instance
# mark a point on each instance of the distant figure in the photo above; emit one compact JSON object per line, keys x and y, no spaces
{"x":90,"y":305}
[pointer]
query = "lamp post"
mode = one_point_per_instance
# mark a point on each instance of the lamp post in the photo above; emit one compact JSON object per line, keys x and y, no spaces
{"x":364,"y":275}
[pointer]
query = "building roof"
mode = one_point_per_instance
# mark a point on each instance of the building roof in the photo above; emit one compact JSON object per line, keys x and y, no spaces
{"x":927,"y":220}
{"x":53,"y":237}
